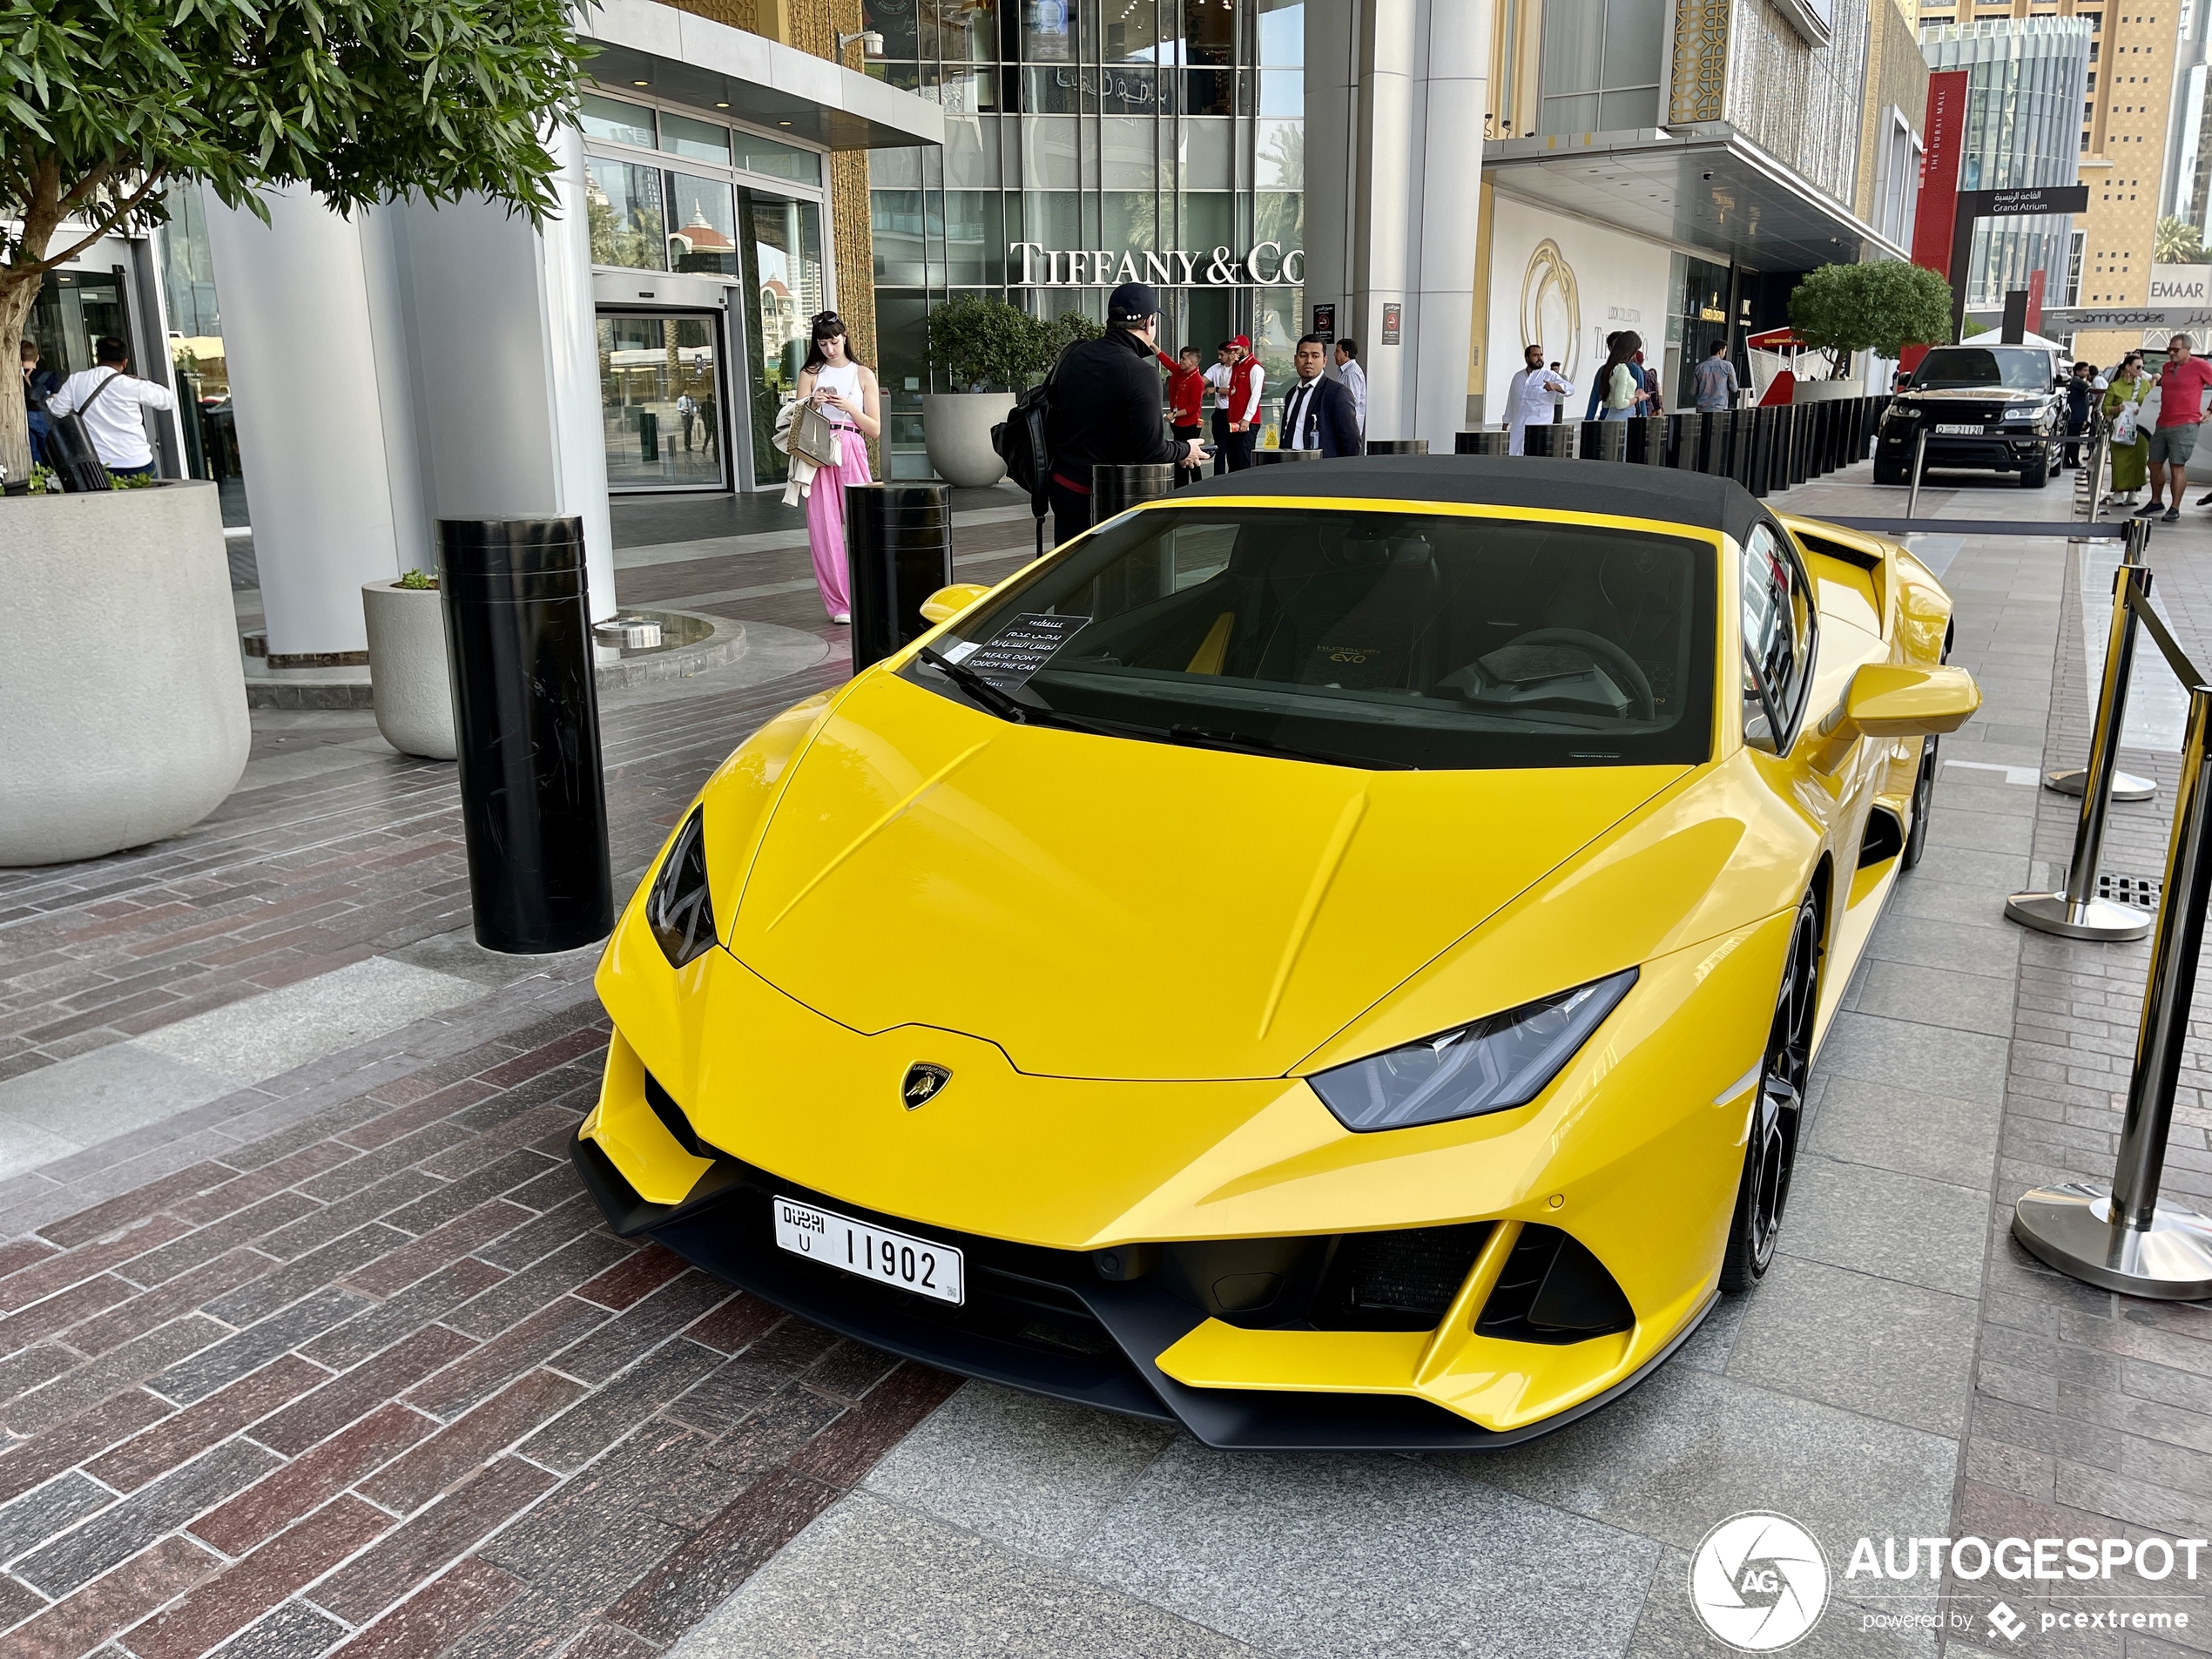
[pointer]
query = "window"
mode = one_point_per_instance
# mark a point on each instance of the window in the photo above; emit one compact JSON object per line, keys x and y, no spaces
{"x":1387,"y":638}
{"x":623,"y":206}
{"x":1778,"y":640}
{"x":604,"y":118}
{"x":695,"y":140}
{"x":778,"y":160}
{"x":1601,"y":66}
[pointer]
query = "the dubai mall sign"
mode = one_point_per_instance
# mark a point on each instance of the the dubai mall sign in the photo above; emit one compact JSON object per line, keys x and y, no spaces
{"x":1268,"y":265}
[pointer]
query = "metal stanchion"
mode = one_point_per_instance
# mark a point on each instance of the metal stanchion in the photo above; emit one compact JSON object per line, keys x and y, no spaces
{"x":2124,"y":1238}
{"x":1919,"y":465}
{"x":2076,"y":911}
{"x":2126,"y":785}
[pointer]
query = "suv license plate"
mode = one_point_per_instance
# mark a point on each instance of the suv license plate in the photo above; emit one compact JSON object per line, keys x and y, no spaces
{"x":921,"y":1265}
{"x":1959,"y":431}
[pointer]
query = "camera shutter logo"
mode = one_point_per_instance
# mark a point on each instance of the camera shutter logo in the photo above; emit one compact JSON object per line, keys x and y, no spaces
{"x":1758,"y":1582}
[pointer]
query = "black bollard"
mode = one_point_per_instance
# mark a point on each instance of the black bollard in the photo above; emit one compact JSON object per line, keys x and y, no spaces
{"x":1279,"y":457}
{"x":533,"y":803}
{"x":899,"y":550}
{"x":1482,"y":442}
{"x":1553,"y":439}
{"x":1645,"y":441}
{"x":1742,"y":429}
{"x":1686,"y":442}
{"x":1397,"y":446}
{"x":1114,"y":489}
{"x":1605,"y":439}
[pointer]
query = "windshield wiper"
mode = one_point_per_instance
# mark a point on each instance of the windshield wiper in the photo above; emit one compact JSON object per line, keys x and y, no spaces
{"x":1199,"y":738}
{"x":992,"y":698}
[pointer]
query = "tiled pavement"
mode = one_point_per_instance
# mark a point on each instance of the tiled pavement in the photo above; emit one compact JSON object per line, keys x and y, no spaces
{"x":321,"y":1349}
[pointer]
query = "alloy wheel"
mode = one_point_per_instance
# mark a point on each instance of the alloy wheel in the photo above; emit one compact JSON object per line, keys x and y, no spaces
{"x":1777,"y":1111}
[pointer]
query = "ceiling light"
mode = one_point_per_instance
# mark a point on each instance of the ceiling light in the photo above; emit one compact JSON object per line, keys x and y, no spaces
{"x":783,"y":124}
{"x":640,"y":82}
{"x":722,"y":106}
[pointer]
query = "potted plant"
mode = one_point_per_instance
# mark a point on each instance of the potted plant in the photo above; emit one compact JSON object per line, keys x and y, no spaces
{"x":1881,"y":307}
{"x":113,"y":104}
{"x":991,"y":350}
{"x":406,"y":665}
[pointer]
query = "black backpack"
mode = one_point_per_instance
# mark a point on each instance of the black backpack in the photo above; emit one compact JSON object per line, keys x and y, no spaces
{"x":1021,"y":442}
{"x":69,"y":447}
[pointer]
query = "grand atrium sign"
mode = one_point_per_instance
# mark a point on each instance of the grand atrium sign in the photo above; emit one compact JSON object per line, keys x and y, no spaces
{"x":1266,"y":266}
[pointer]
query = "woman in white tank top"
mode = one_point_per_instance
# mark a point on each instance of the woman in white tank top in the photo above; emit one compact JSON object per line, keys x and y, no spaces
{"x":847,"y":393}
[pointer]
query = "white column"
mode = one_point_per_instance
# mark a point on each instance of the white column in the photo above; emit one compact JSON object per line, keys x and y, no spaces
{"x":1396,"y":91}
{"x":297,"y":343}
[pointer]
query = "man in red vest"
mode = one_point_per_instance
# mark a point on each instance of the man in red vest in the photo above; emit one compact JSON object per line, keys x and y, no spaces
{"x":1186,"y":399}
{"x":1246,"y":379}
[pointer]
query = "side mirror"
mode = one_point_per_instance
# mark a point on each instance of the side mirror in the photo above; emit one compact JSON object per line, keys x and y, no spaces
{"x":1904,"y":380}
{"x":947,"y":603}
{"x":1890,"y":700}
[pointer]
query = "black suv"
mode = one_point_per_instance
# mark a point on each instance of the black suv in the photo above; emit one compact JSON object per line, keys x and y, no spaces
{"x":1990,"y":409}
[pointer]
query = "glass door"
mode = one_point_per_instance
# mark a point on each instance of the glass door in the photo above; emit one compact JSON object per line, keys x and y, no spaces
{"x":781,"y":244}
{"x":659,"y":401}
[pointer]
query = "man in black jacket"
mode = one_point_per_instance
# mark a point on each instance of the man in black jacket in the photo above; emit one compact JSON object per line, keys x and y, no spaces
{"x":1319,"y":414}
{"x":1106,"y":408}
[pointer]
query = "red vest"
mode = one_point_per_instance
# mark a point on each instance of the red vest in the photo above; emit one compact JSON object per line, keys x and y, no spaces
{"x":1242,"y":374}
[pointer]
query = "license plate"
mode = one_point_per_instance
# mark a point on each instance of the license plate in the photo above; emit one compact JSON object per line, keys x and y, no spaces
{"x":918,"y":1265}
{"x":1974,"y":431}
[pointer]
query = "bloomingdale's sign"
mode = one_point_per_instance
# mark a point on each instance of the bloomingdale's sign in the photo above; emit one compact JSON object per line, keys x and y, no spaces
{"x":1266,"y":266}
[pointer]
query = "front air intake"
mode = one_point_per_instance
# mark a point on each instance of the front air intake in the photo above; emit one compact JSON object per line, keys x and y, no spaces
{"x":1404,"y":1280}
{"x":1553,"y":1290}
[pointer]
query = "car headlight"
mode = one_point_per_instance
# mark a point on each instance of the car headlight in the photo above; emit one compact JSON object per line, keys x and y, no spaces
{"x":1492,"y":1065}
{"x":2019,"y":414}
{"x":679,"y":909}
{"x":1904,"y":411}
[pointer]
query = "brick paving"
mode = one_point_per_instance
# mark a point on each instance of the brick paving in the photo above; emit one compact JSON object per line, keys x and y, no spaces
{"x":345,"y":1360}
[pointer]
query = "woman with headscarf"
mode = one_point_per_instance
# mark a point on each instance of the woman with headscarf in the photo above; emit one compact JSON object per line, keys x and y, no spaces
{"x":1620,"y":383}
{"x":2130,"y":460}
{"x":846,"y":391}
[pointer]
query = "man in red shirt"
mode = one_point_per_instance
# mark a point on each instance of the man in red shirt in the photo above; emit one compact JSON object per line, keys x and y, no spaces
{"x":1186,"y":397}
{"x":1241,"y":395}
{"x":2181,"y":386}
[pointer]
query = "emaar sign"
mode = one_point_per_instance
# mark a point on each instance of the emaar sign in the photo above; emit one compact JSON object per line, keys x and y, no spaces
{"x":2180,"y":285}
{"x":1268,"y":265}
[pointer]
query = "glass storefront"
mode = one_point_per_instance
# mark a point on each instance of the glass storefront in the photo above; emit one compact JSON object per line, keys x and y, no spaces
{"x":674,"y":192}
{"x":1086,"y":130}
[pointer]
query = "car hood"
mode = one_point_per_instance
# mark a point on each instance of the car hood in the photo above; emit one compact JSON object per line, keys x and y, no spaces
{"x":1972,"y":395}
{"x":1114,"y":909}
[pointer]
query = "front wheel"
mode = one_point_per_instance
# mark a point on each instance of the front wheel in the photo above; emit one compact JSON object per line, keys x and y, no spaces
{"x":2036,"y":473}
{"x":1778,"y":1110}
{"x":1891,"y":472}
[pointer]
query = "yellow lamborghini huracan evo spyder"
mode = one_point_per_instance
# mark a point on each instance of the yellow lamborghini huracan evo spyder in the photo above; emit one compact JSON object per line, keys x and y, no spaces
{"x":1330,"y":959}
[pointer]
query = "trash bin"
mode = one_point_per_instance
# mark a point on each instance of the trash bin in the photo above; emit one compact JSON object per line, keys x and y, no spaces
{"x":899,"y":550}
{"x":1397,"y":446}
{"x":1484,"y":441}
{"x":1605,"y":439}
{"x":1686,"y":443}
{"x":1278,"y":457}
{"x":1114,"y":489}
{"x":533,"y":805}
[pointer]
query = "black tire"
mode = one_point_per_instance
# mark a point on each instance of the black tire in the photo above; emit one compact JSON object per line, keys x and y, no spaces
{"x":1891,"y":472}
{"x":2037,"y":473}
{"x":1924,"y":783}
{"x":1778,"y":1110}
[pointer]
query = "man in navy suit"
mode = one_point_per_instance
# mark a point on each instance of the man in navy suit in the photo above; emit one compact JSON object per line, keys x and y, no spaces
{"x":1319,"y":414}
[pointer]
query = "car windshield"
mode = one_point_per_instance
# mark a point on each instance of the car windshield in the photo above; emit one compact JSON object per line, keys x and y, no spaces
{"x":2017,"y":369}
{"x":1388,"y":638}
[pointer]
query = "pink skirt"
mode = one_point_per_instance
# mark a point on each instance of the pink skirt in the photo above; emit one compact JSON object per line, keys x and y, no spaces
{"x":826,"y":521}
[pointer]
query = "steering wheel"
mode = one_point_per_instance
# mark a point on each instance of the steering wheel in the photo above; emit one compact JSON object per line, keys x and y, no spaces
{"x":1606,"y":651}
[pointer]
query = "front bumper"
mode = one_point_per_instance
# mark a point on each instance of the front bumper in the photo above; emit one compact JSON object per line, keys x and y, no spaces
{"x":1990,"y":452}
{"x":1048,"y":1322}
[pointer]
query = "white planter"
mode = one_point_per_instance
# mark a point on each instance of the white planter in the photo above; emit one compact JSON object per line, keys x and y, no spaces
{"x":406,"y":668}
{"x":1825,"y":391}
{"x":956,"y":429}
{"x":122,"y":695}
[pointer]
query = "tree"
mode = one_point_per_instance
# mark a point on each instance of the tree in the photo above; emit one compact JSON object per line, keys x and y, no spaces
{"x":1880,"y":307}
{"x":976,"y":341}
{"x":106,"y":104}
{"x":2178,"y":242}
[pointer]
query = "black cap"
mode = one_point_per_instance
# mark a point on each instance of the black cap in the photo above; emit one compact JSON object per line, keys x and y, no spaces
{"x":1132,"y":302}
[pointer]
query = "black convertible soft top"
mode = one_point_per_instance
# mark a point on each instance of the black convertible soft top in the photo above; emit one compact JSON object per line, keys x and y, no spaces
{"x":1507,"y":481}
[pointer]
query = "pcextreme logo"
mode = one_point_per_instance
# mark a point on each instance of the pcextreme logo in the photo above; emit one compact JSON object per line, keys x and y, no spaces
{"x":1758,"y":1582}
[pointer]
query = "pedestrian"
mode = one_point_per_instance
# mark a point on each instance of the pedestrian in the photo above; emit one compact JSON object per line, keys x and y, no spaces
{"x":2079,"y":396}
{"x":1533,"y":396}
{"x":1620,"y":383}
{"x":1354,"y":378}
{"x":1319,"y":412}
{"x":1224,"y":362}
{"x":2129,"y":448}
{"x":1106,"y":408}
{"x":1246,"y":379}
{"x":687,"y":410}
{"x":2182,"y":384}
{"x":38,"y":385}
{"x":1714,"y":384}
{"x":1651,"y":401}
{"x":1597,"y":386}
{"x":845,"y":391}
{"x":111,"y":401}
{"x":1186,"y":404}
